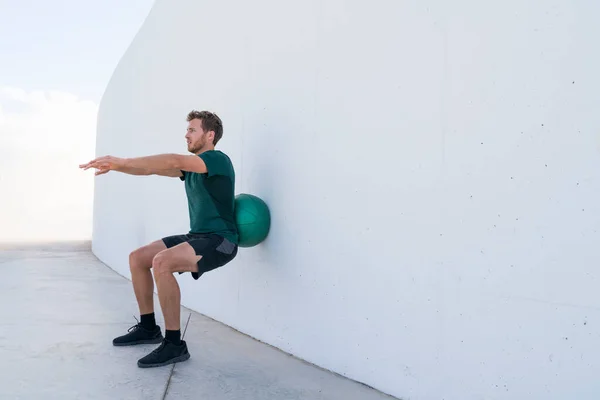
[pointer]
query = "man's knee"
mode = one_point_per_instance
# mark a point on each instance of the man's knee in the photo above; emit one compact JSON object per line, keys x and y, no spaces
{"x":161,"y":263}
{"x":142,"y":257}
{"x":135,"y":259}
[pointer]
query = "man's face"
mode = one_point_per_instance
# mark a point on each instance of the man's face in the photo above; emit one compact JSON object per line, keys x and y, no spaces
{"x":196,"y":138}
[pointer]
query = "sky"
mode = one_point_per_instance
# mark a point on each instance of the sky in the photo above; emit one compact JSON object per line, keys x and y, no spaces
{"x":56,"y":58}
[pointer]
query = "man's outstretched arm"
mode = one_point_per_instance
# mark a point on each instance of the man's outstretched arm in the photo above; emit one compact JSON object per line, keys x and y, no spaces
{"x":190,"y":163}
{"x":175,"y":173}
{"x":161,"y":164}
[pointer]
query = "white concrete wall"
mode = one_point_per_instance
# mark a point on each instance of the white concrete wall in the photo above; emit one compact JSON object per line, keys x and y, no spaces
{"x":432,"y":170}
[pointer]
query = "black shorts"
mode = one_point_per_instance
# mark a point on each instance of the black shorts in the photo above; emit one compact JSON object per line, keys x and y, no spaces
{"x":215,"y":250}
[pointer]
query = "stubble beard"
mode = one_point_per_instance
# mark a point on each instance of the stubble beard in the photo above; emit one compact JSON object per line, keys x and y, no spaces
{"x":197,"y":147}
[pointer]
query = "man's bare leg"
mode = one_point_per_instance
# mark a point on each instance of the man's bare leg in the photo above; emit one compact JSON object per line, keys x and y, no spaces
{"x":140,"y":262}
{"x":180,"y":258}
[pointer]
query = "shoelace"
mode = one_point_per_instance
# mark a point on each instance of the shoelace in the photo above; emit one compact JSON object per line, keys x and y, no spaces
{"x":139,"y":324}
{"x":134,"y":327}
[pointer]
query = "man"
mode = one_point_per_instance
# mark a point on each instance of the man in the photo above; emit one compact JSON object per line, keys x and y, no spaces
{"x":211,"y":242}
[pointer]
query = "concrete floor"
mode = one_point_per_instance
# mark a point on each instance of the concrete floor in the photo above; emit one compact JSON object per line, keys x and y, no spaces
{"x":61,"y":307}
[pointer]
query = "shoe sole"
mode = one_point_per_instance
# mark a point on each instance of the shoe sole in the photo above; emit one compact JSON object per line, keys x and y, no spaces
{"x":181,"y":358}
{"x":144,"y":341}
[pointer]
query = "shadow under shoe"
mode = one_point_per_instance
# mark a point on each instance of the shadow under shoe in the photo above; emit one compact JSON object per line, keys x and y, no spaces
{"x":139,"y":335}
{"x":167,"y":353}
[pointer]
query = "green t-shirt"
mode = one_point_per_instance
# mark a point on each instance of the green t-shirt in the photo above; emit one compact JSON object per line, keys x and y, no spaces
{"x":211,"y":196}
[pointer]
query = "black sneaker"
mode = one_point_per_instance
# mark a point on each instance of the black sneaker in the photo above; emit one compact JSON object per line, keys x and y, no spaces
{"x":139,"y":335}
{"x":167,"y":353}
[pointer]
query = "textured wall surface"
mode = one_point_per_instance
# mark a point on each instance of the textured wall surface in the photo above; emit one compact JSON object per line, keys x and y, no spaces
{"x":432,"y":170}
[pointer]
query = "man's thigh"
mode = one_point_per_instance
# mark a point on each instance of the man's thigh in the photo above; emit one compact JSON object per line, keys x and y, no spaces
{"x":215,"y":251}
{"x":178,"y":258}
{"x":209,"y":251}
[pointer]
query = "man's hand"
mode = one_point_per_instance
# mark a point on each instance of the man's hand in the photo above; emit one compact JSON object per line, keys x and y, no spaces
{"x":104,"y":164}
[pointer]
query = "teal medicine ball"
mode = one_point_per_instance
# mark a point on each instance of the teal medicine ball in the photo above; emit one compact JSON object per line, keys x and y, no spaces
{"x":252,"y":218}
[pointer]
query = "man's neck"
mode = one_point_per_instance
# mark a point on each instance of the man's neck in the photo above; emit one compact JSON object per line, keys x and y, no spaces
{"x":204,"y":150}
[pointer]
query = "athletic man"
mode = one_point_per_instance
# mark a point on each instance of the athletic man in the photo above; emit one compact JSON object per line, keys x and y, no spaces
{"x":211,"y":242}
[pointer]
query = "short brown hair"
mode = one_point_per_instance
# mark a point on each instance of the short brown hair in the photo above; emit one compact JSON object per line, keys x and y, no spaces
{"x":210,"y":122}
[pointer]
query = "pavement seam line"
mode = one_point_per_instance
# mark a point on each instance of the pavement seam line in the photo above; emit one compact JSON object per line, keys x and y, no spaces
{"x":164,"y":396}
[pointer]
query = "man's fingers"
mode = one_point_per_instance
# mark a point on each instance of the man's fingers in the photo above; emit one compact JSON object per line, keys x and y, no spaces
{"x":98,"y":165}
{"x":95,"y":162}
{"x":86,"y":166}
{"x":101,"y":171}
{"x":102,"y":167}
